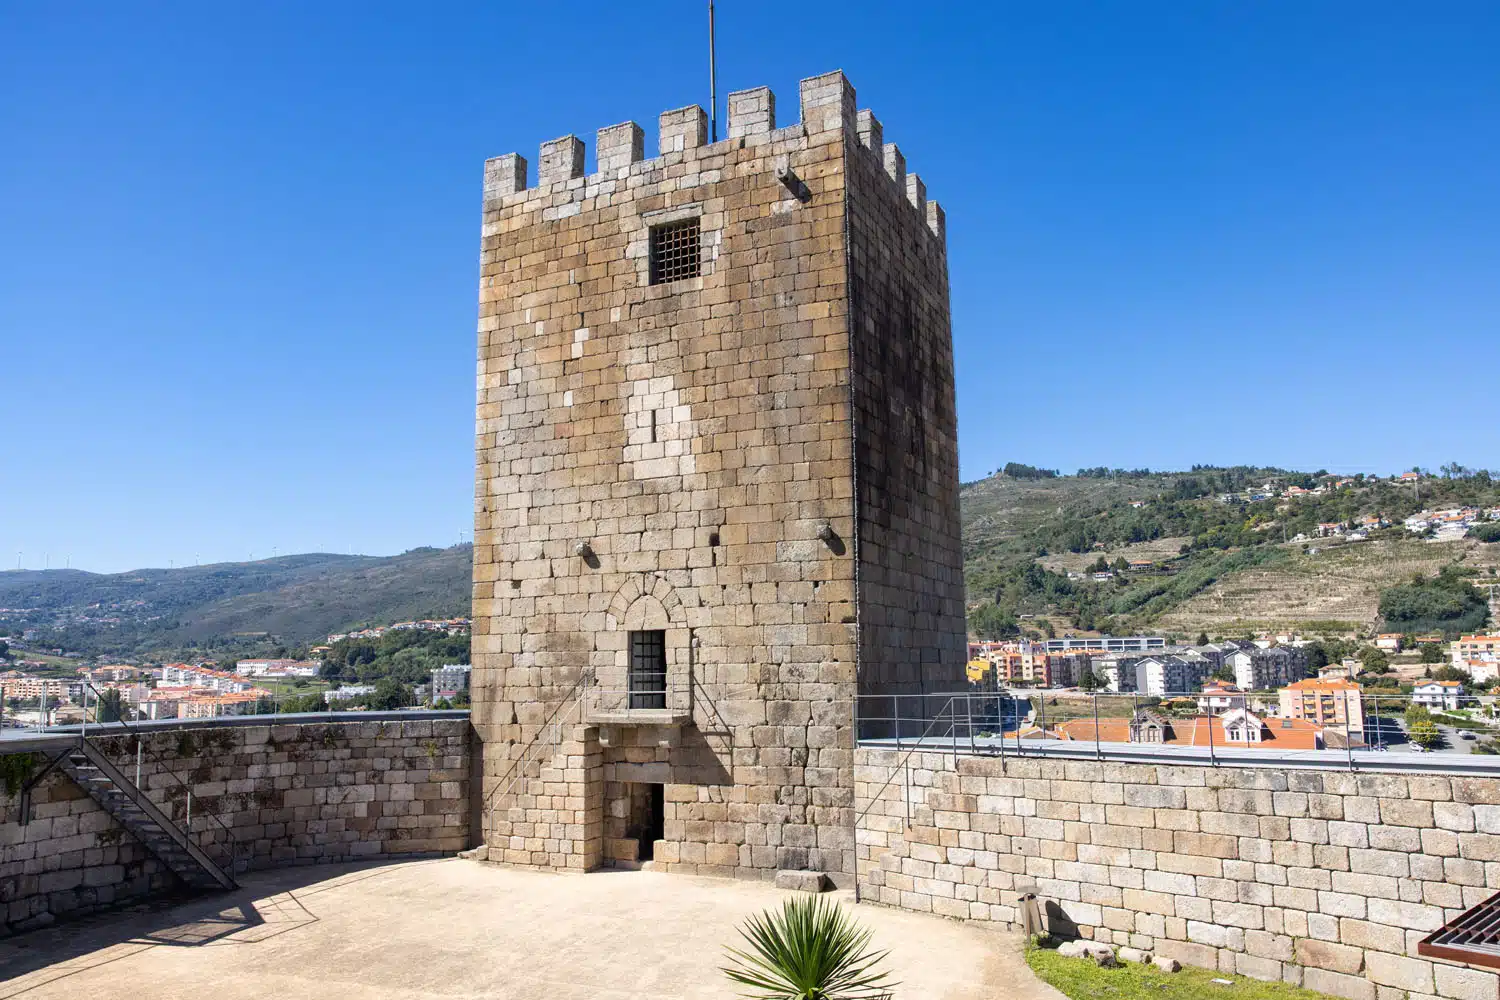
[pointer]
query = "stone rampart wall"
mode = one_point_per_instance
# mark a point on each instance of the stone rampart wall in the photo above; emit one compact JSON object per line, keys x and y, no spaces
{"x":1324,"y":878}
{"x":290,"y":794}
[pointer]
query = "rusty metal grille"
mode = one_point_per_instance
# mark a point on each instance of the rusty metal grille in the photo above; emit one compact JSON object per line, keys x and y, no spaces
{"x":675,"y":252}
{"x":648,"y":669}
{"x":1473,"y":936}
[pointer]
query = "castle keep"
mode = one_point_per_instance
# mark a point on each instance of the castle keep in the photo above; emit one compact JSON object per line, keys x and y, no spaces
{"x":716,"y":487}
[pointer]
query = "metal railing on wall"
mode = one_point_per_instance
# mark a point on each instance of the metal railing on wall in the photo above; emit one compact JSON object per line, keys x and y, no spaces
{"x":1352,"y":729}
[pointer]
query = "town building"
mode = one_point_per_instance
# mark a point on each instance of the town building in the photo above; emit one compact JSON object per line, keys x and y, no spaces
{"x":277,"y":668}
{"x":347,"y":692}
{"x":1389,"y":641}
{"x":1266,"y":669}
{"x":1236,"y":729}
{"x":212,"y":705}
{"x":715,"y":390}
{"x":1332,"y":703}
{"x":1475,"y":647}
{"x":1441,"y":695}
{"x":175,"y":675}
{"x":1218,"y":697}
{"x":15,"y":684}
{"x":1106,"y":643}
{"x":450,"y":681}
{"x":1172,"y":673}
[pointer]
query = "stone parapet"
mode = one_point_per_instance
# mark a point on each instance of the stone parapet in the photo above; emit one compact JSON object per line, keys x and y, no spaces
{"x":285,"y":794}
{"x":1329,"y":879}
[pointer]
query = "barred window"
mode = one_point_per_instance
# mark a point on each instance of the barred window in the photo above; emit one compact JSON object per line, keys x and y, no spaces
{"x":648,"y":669}
{"x":675,"y":252}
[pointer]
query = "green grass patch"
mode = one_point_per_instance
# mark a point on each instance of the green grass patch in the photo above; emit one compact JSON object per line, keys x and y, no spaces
{"x":1081,"y":979}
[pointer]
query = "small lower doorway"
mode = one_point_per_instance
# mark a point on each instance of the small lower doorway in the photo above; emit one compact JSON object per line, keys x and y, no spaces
{"x":647,"y":822}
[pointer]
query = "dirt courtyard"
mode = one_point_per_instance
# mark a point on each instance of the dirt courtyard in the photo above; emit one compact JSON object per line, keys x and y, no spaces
{"x":453,"y":928}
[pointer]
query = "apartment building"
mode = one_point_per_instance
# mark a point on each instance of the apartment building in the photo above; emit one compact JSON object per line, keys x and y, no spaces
{"x":1332,"y":703}
{"x":1258,"y":669}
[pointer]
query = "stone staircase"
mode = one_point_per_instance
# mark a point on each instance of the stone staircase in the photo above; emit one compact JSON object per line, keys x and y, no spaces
{"x":134,"y":810}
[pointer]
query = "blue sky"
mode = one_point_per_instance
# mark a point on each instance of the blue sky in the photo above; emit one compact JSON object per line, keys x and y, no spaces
{"x":238,"y":243}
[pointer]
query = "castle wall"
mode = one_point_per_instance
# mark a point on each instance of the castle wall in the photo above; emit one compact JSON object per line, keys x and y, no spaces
{"x":910,"y":555}
{"x":1323,"y":878}
{"x":292,"y":794}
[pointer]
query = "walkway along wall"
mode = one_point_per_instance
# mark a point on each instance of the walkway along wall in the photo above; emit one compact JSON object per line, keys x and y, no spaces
{"x":1322,"y":878}
{"x":292,"y":794}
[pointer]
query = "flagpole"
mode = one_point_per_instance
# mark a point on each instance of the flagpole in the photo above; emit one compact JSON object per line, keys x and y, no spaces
{"x":713,"y":80}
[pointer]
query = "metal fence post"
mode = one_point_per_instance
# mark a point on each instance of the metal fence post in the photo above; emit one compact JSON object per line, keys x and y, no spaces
{"x":1098,"y":750}
{"x":1211,"y":759}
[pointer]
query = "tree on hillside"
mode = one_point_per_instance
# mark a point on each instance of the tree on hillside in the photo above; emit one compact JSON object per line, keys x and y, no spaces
{"x":390,"y":694}
{"x":1375,"y":661}
{"x":1423,"y":732}
{"x":109,"y":708}
{"x":1431,"y":652}
{"x":1485,"y":532}
{"x":1203,"y":638}
{"x":990,"y":622}
{"x":1018,"y":470}
{"x":1452,"y":673}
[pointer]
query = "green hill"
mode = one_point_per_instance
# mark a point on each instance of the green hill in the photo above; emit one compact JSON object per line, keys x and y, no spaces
{"x":289,"y":601}
{"x":1033,"y":541}
{"x":1184,"y":552}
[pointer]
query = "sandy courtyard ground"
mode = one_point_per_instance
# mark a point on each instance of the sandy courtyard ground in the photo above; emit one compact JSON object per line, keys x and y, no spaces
{"x":452,"y":928}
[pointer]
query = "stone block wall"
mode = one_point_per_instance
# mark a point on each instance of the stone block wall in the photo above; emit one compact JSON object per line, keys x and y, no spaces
{"x":290,"y":794}
{"x":912,"y":630}
{"x":682,"y":457}
{"x":1324,"y":878}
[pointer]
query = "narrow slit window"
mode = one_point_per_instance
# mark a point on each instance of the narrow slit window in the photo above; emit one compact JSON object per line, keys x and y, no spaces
{"x":676,"y":251}
{"x":648,"y":669}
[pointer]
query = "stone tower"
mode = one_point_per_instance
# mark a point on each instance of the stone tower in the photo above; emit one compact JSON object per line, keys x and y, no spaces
{"x":716,"y":486}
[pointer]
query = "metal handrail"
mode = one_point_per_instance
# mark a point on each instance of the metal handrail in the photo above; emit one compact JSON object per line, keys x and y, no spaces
{"x":525,"y":758}
{"x":83,"y":738}
{"x":905,"y":757}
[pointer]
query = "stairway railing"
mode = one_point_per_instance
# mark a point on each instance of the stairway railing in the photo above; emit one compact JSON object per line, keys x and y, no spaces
{"x":137,"y":793}
{"x":559,"y":717}
{"x":142,"y":801}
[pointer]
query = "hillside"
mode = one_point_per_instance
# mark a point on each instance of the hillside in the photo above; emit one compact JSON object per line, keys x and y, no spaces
{"x":1216,"y":549}
{"x":293,"y":599}
{"x":1337,"y":584}
{"x":1213,"y":550}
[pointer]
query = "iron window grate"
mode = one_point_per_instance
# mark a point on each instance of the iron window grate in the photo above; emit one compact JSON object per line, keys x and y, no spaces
{"x":648,"y":669}
{"x":1472,"y":937}
{"x":676,"y":251}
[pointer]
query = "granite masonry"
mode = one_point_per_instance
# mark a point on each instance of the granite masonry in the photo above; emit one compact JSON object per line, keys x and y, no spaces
{"x":716,"y":489}
{"x":1323,"y":878}
{"x":286,"y":794}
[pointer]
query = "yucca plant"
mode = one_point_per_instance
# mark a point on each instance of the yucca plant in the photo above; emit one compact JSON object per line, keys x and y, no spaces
{"x":810,"y":950}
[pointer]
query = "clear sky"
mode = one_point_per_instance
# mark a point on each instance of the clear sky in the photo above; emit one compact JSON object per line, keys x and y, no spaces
{"x":238,"y":242}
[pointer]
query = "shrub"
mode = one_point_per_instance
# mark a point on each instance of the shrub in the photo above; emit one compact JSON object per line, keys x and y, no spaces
{"x":810,"y":950}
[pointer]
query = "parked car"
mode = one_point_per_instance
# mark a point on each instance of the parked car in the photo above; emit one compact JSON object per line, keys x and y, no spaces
{"x":1467,"y":736}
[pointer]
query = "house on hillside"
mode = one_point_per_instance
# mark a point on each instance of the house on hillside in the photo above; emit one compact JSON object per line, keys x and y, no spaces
{"x":1440,"y":695}
{"x":1219,"y":697}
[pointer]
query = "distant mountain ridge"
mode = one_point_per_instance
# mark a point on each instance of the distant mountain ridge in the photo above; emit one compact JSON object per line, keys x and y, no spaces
{"x":297,"y":599}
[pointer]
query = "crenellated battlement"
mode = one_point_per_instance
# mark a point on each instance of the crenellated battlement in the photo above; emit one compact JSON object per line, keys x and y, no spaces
{"x":826,"y":104}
